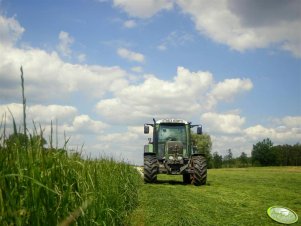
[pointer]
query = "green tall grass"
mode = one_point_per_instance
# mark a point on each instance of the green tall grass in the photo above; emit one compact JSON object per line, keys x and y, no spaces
{"x":40,"y":186}
{"x":45,"y":187}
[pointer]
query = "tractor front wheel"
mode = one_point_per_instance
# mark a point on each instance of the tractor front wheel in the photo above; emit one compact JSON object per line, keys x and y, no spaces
{"x":199,"y":165}
{"x":150,"y":168}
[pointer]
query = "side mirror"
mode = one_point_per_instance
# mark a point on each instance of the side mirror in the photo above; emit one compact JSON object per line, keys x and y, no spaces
{"x":199,"y":130}
{"x":146,"y":129}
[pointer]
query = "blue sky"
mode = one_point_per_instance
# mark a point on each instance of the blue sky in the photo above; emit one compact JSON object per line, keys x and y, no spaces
{"x":102,"y":68}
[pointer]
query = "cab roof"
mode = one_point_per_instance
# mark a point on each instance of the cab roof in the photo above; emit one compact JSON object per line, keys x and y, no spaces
{"x":172,"y":121}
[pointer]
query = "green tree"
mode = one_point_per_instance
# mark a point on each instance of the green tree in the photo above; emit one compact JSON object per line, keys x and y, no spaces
{"x":243,"y":158}
{"x":203,"y":145}
{"x":297,"y":154}
{"x":228,"y":159}
{"x":217,"y":160}
{"x":202,"y":142}
{"x":263,"y":154}
{"x":287,"y":155}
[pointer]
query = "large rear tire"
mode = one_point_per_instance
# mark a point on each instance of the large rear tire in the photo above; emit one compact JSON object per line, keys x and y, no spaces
{"x":199,"y":164}
{"x":150,"y":168}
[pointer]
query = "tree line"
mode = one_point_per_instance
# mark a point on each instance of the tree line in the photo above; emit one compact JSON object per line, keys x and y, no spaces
{"x":228,"y":161}
{"x":263,"y":153}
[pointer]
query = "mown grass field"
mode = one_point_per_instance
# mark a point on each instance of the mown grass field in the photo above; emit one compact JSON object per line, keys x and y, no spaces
{"x":231,"y":197}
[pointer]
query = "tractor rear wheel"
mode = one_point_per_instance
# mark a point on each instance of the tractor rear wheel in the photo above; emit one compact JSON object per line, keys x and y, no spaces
{"x":199,"y":165}
{"x":150,"y":168}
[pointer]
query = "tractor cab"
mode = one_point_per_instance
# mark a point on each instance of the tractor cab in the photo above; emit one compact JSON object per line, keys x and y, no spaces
{"x":171,"y":141}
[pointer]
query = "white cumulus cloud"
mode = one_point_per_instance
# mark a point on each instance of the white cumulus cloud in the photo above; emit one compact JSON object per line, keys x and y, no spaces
{"x":39,"y":113}
{"x":174,"y":39}
{"x":231,"y":87}
{"x":65,"y":41}
{"x":130,"y":55}
{"x":292,"y":121}
{"x":83,"y":124}
{"x":184,"y":96}
{"x":223,"y":123}
{"x":283,"y":130}
{"x":46,"y":113}
{"x":130,"y":23}
{"x":61,"y":120}
{"x":240,"y":24}
{"x":130,"y":142}
{"x":48,"y":77}
{"x":81,"y":57}
{"x":145,"y":8}
{"x":137,"y":69}
{"x":228,"y":132}
{"x":246,"y":25}
{"x":10,"y":31}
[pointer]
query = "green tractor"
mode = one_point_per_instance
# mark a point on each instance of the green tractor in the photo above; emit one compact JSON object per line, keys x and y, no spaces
{"x":171,"y":152}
